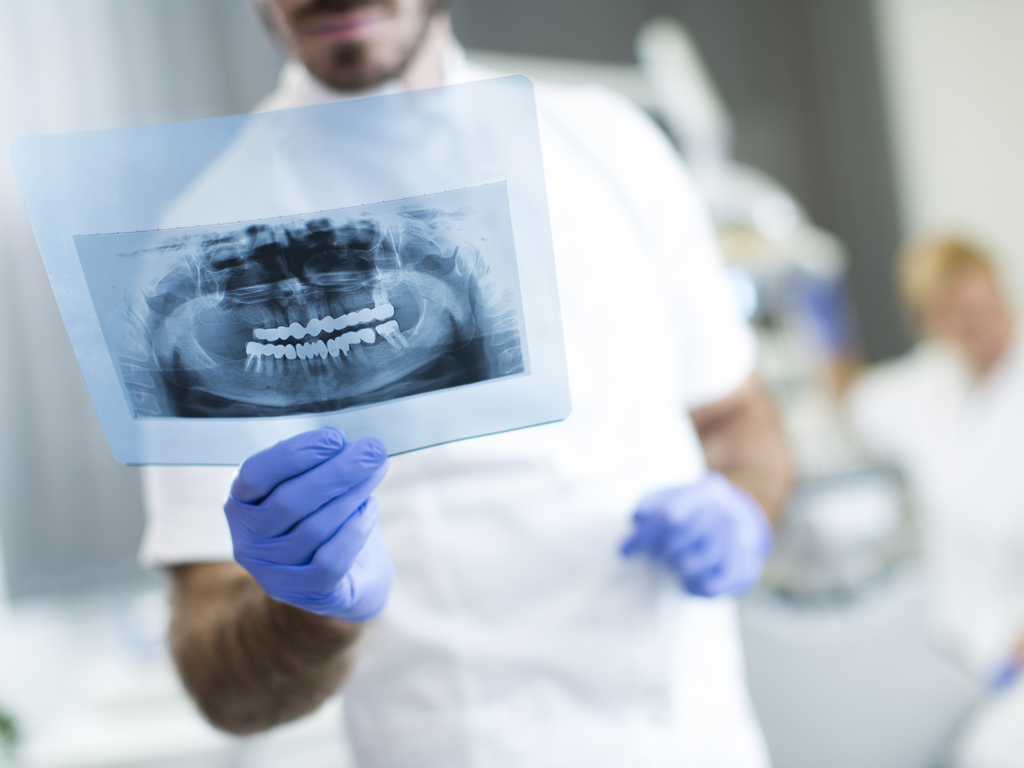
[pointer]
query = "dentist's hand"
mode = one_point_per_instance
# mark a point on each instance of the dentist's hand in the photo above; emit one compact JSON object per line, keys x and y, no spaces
{"x":304,"y":525}
{"x":713,"y":536}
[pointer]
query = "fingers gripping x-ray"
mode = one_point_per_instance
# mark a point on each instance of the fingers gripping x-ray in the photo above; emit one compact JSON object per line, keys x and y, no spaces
{"x":321,"y":314}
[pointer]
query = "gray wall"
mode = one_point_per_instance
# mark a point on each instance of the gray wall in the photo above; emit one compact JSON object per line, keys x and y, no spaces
{"x":802,"y":80}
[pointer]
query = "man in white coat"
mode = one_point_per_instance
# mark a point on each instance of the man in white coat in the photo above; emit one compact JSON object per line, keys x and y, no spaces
{"x":951,"y":415}
{"x":559,"y":596}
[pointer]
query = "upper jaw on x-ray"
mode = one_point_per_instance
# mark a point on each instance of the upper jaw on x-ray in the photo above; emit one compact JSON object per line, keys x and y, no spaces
{"x":277,"y":319}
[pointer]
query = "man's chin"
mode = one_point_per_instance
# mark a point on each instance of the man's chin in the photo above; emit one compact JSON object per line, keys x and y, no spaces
{"x":355,"y":81}
{"x":347,"y":72}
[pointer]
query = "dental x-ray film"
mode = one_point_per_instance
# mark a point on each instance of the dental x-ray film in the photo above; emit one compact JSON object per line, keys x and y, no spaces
{"x":314,"y":313}
{"x":382,"y":265}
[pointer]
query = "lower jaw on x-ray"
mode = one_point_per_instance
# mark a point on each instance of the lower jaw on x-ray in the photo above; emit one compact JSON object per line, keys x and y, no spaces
{"x":316,"y":314}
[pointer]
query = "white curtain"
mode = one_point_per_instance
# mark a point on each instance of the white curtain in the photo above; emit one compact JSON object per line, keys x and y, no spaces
{"x":69,"y":513}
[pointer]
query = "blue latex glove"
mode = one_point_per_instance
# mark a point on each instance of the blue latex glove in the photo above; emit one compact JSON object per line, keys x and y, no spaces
{"x":712,"y":535}
{"x":304,"y":525}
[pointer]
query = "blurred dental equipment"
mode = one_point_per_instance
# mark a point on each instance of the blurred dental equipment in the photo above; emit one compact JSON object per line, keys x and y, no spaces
{"x":847,"y":521}
{"x":687,"y":103}
{"x":685,"y":96}
{"x":841,"y":531}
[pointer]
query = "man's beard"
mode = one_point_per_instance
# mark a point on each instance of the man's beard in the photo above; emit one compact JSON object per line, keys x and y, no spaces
{"x":351,"y":66}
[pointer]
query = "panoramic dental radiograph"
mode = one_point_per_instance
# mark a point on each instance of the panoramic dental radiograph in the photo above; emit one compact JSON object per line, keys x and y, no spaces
{"x":381,"y":265}
{"x":318,"y":314}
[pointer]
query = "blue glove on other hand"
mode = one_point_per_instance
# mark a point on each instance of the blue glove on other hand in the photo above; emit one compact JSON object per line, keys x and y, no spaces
{"x":713,"y":536}
{"x":304,"y":525}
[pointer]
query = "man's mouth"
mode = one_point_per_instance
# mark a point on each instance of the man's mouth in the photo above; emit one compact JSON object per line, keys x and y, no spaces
{"x":348,"y":25}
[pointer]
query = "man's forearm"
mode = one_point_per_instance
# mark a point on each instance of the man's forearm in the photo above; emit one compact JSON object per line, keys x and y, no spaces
{"x":742,"y":439}
{"x":251,"y":662}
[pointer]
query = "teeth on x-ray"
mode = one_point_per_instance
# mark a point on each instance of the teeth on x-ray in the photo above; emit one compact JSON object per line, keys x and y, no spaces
{"x":328,"y":324}
{"x":311,"y":315}
{"x":391,"y":333}
{"x":333,"y":347}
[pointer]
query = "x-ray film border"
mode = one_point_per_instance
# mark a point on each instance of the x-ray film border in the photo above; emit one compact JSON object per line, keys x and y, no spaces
{"x":72,"y":178}
{"x":295,"y":215}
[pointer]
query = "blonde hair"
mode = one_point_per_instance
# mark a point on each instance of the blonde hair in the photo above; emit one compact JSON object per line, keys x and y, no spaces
{"x":929,"y":264}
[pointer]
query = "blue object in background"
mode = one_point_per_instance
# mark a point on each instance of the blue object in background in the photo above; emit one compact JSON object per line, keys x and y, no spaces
{"x":1006,"y":675}
{"x":824,"y":309}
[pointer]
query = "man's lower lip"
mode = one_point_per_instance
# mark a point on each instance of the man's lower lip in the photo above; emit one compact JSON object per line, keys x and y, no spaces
{"x":346,"y":26}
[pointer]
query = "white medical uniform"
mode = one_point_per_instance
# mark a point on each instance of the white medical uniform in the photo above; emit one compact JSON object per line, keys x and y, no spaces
{"x":960,"y":441}
{"x":516,"y":635}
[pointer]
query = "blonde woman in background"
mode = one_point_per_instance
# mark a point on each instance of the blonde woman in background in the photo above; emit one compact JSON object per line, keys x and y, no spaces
{"x":950,"y":414}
